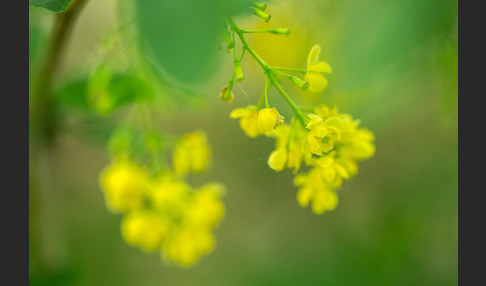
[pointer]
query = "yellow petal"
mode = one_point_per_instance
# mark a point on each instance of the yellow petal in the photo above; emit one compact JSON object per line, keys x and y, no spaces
{"x":242,"y":111}
{"x":313,"y":56}
{"x":324,"y":200}
{"x":314,"y":145}
{"x":317,"y":81}
{"x":304,"y":195}
{"x":320,"y":67}
{"x":277,"y":159}
{"x":249,"y":125}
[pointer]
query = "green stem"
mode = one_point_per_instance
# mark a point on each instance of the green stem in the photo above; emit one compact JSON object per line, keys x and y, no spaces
{"x":268,"y":70}
{"x":303,"y":71}
{"x":43,"y":110}
{"x":256,"y":31}
{"x":287,"y":98}
{"x":260,"y":101}
{"x":239,"y":32}
{"x":292,"y":127}
{"x":267,"y":87}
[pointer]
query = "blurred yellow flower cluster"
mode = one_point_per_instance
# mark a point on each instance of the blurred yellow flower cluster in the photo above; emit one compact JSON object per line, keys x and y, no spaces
{"x":162,"y":212}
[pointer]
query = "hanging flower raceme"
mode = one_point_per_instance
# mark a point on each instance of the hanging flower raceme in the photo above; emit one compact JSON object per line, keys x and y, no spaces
{"x":162,"y":212}
{"x":323,"y":142}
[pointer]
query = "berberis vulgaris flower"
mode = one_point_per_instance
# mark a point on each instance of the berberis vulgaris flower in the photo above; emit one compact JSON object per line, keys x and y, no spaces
{"x":315,"y":69}
{"x":248,"y":120}
{"x":268,"y":119}
{"x":322,"y":144}
{"x":161,"y":211}
{"x":330,"y":144}
{"x":124,"y":184}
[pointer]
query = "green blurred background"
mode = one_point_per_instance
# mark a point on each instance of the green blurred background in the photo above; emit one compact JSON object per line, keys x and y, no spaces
{"x":394,"y":66}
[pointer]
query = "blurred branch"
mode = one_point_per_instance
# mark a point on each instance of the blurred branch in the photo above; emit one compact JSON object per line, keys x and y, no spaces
{"x":43,"y":111}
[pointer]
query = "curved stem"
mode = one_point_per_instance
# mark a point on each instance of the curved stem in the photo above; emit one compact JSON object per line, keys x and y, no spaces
{"x":43,"y":106}
{"x":287,"y":98}
{"x":239,"y":32}
{"x":302,"y":71}
{"x":268,"y":69}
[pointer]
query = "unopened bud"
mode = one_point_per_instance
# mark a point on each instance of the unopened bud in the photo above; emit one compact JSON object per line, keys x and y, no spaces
{"x":280,"y":31}
{"x":239,"y":72}
{"x":226,"y":94}
{"x":261,"y":14}
{"x":260,"y":6}
{"x":302,"y":84}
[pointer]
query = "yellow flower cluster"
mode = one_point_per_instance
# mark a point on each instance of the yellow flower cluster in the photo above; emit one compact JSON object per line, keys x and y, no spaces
{"x":330,"y":144}
{"x":162,"y":212}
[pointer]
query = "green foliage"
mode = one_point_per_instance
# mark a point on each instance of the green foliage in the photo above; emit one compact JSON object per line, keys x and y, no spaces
{"x":182,"y":36}
{"x":120,"y":141}
{"x":36,"y":41}
{"x":73,"y":94}
{"x":52,"y":5}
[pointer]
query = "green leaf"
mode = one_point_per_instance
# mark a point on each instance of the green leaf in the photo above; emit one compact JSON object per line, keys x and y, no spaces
{"x":103,"y":91}
{"x":53,"y":5}
{"x":73,"y":94}
{"x":181,"y":37}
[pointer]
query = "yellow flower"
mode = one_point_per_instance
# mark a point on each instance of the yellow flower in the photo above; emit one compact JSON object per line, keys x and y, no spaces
{"x":248,"y":119}
{"x":124,"y":184}
{"x":145,"y":229}
{"x":170,"y":195}
{"x":191,"y":153}
{"x":333,"y":170}
{"x":360,"y":146}
{"x":288,"y":151}
{"x":315,"y":68}
{"x":268,"y":119}
{"x":314,"y":189}
{"x":206,"y":209}
{"x":323,"y":134}
{"x":187,"y":245}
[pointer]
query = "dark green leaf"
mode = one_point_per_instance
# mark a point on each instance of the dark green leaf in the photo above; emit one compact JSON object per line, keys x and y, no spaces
{"x":73,"y":94}
{"x":53,"y":5}
{"x":182,"y":36}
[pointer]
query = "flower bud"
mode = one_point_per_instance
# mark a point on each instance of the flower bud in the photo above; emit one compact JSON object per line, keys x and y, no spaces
{"x":280,"y":31}
{"x":260,"y":6}
{"x":226,"y":94}
{"x":268,"y":119}
{"x":239,"y":72}
{"x":261,"y":14}
{"x":302,"y":84}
